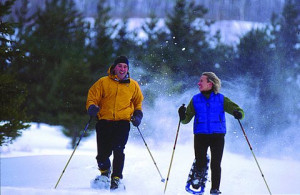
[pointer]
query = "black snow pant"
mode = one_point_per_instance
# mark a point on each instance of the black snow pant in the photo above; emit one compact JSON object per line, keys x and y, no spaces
{"x":216,"y":144}
{"x":112,"y":137}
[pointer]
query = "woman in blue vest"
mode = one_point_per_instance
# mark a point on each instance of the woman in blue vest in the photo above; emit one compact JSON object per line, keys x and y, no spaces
{"x":209,"y":107}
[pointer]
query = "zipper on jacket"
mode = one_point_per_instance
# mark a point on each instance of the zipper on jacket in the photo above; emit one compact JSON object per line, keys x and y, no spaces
{"x":208,"y":117}
{"x":115,"y":102}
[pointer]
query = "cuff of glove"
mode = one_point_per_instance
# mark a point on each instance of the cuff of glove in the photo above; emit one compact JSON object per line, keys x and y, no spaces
{"x":93,"y":110}
{"x":138,"y":114}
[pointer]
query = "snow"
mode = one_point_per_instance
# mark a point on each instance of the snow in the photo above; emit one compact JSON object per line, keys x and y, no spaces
{"x":34,"y":162}
{"x":230,"y":30}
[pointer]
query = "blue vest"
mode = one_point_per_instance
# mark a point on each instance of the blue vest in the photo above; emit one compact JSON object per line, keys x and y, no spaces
{"x":209,"y":114}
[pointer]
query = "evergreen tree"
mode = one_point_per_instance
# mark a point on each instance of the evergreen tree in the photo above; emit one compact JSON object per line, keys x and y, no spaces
{"x":58,"y":33}
{"x":285,"y":30}
{"x":101,"y":46}
{"x":123,"y":42}
{"x":12,"y":93}
{"x":255,"y":61}
{"x":272,"y":61}
{"x":150,"y":51}
{"x":55,"y":71}
{"x":70,"y":86}
{"x":253,"y":54}
{"x":223,"y":60}
{"x":187,"y":49}
{"x":23,"y":19}
{"x":6,"y":29}
{"x":71,"y":77}
{"x":148,"y":55}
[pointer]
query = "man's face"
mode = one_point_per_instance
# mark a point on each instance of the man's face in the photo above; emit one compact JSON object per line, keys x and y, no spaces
{"x":204,"y":84}
{"x":121,"y":70}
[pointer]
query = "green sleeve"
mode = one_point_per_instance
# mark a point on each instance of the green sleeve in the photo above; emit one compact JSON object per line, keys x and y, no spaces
{"x":230,"y":106}
{"x":190,"y":113}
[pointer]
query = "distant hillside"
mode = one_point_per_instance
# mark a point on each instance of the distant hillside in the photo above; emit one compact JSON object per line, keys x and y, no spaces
{"x":248,"y":10}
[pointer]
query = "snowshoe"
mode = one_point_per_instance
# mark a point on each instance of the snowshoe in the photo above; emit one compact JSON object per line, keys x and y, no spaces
{"x":215,"y":192}
{"x":116,"y":184}
{"x":197,"y":179}
{"x":101,"y":181}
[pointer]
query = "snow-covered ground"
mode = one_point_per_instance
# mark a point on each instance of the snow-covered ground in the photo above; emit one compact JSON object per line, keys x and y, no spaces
{"x":35,"y":161}
{"x":33,"y":164}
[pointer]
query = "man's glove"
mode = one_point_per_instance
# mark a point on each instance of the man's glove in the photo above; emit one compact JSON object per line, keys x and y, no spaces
{"x":181,"y":112}
{"x":137,"y":117}
{"x":237,"y":114}
{"x":93,"y":110}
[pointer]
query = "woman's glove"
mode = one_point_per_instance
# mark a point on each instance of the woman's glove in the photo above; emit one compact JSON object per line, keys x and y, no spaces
{"x":181,"y":112}
{"x":237,"y":114}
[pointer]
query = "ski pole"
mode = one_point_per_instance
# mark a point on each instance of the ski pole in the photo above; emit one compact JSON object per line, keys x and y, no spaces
{"x":172,"y":157}
{"x":85,"y":129}
{"x":162,"y":179}
{"x":254,"y":155}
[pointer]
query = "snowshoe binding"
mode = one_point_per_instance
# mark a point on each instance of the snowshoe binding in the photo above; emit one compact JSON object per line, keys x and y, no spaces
{"x":116,"y":184}
{"x":101,"y":181}
{"x":197,"y":179}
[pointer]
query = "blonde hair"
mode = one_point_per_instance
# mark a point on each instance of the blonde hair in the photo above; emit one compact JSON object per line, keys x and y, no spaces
{"x":212,"y":77}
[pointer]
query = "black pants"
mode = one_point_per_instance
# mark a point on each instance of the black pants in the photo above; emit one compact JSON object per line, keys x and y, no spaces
{"x":112,"y":137}
{"x":216,"y":144}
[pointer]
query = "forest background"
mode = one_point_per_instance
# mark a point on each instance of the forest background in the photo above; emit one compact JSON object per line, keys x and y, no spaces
{"x":52,"y":52}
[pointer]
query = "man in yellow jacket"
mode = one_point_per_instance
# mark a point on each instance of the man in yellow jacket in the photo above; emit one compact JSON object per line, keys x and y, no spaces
{"x":115,"y":100}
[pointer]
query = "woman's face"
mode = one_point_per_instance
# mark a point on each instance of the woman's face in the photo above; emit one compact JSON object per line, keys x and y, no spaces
{"x":204,"y":84}
{"x":121,"y":70}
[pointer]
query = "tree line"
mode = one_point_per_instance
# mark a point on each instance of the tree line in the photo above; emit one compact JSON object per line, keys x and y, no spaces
{"x":50,"y":58}
{"x":249,"y":10}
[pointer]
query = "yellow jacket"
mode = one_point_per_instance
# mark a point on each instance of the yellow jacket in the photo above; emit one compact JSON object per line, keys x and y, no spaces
{"x":117,"y":100}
